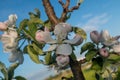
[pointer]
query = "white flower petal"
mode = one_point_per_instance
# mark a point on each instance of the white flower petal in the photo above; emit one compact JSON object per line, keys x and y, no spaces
{"x":77,"y":40}
{"x":116,"y":48}
{"x":51,"y":48}
{"x":64,"y":49}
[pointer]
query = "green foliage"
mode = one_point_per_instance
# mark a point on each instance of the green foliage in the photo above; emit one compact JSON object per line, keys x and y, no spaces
{"x":8,"y":73}
{"x":37,"y":49}
{"x":11,"y":70}
{"x":48,"y":58}
{"x":33,"y":54}
{"x":87,"y":46}
{"x":4,"y":71}
{"x":80,"y":32}
{"x":20,"y":78}
{"x":90,"y":54}
{"x":97,"y":63}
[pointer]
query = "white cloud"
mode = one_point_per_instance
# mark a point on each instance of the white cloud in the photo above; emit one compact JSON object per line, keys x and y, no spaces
{"x":41,"y":75}
{"x":95,"y":22}
{"x":87,"y":16}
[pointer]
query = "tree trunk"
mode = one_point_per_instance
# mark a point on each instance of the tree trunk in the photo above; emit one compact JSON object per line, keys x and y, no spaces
{"x":76,"y":70}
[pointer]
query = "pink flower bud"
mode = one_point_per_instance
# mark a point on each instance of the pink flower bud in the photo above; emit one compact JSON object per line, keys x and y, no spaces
{"x":95,"y":36}
{"x":43,"y":36}
{"x":62,"y":60}
{"x":3,"y":26}
{"x":104,"y":52}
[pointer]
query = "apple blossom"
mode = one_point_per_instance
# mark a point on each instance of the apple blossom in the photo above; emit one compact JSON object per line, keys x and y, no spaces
{"x":107,"y":40}
{"x":104,"y":52}
{"x":62,"y":60}
{"x":77,"y":40}
{"x":95,"y":36}
{"x":9,"y":40}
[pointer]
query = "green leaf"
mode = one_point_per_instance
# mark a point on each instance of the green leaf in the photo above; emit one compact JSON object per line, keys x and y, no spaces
{"x":37,"y":49}
{"x":3,"y":70}
{"x":73,"y":56}
{"x":32,"y":28}
{"x":23,"y":24}
{"x":87,"y":46}
{"x":90,"y":55}
{"x":20,"y":78}
{"x":47,"y":24}
{"x":33,"y":54}
{"x":11,"y":70}
{"x":48,"y":58}
{"x":38,"y":13}
{"x":80,"y":32}
{"x":36,"y":21}
{"x":97,"y":63}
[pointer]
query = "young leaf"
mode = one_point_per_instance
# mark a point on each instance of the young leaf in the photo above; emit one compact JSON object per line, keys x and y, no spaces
{"x":11,"y":70}
{"x":23,"y":24}
{"x":73,"y":56}
{"x":3,"y":70}
{"x":20,"y":78}
{"x":90,"y":54}
{"x":80,"y":32}
{"x":33,"y":54}
{"x":87,"y":46}
{"x":37,"y":49}
{"x":48,"y":58}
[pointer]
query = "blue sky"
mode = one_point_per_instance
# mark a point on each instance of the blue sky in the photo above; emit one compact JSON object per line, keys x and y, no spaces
{"x":92,"y":15}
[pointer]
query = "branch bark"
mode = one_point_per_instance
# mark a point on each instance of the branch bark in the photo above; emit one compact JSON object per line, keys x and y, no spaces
{"x":50,"y":12}
{"x":76,"y":69}
{"x":66,"y":9}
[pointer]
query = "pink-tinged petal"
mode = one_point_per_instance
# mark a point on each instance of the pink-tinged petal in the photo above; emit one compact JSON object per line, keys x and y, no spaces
{"x":77,"y":40}
{"x":62,"y":60}
{"x":51,"y":48}
{"x":95,"y":36}
{"x":104,"y":52}
{"x":64,"y":49}
{"x":3,"y":26}
{"x":43,"y":36}
{"x":12,"y":18}
{"x":116,"y":48}
{"x":105,"y":36}
{"x":61,"y":31}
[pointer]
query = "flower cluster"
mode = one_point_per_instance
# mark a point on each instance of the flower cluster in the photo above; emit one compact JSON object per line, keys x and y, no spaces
{"x":9,"y":38}
{"x":61,"y":44}
{"x":107,"y":41}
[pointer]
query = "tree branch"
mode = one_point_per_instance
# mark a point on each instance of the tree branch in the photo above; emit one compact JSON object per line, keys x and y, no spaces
{"x":66,"y":9}
{"x":74,"y":8}
{"x":50,"y":12}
